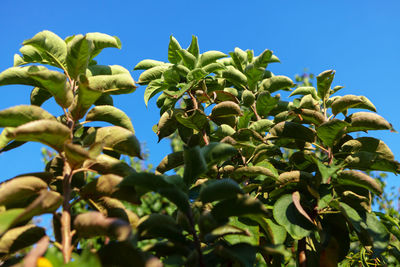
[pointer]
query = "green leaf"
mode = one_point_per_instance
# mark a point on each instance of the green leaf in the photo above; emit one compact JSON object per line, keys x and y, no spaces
{"x":276,"y":233}
{"x":276,"y":83}
{"x":305,"y":90}
{"x":167,"y":124}
{"x":368,"y":144}
{"x":113,"y":84}
{"x":117,"y":139}
{"x":263,"y":59}
{"x":187,"y":58}
{"x":350,"y":177}
{"x":330,"y":131}
{"x":111,"y":115}
{"x":159,"y":225}
{"x":32,"y":55}
{"x":8,"y":217}
{"x":324,"y":81}
{"x":195,"y":164}
{"x":194,"y":47}
{"x":265,"y":103}
{"x":226,"y":109}
{"x":378,"y":233}
{"x":152,"y":74}
{"x":94,"y":70}
{"x":214,"y":67}
{"x":196,"y":74}
{"x":50,"y":44}
{"x":170,"y":162}
{"x":292,"y":130}
{"x":365,"y":160}
{"x":39,"y":96}
{"x":101,"y":41}
{"x":209,"y":57}
{"x":327,"y":170}
{"x":18,"y":115}
{"x":56,"y":83}
{"x":19,"y":238}
{"x":91,"y":224}
{"x":76,"y":154}
{"x":197,"y":120}
{"x":216,"y":152}
{"x":235,"y":76}
{"x":20,"y":75}
{"x":104,"y":164}
{"x":294,"y":177}
{"x":171,"y":76}
{"x":218,"y":190}
{"x":148,"y":64}
{"x":365,"y":121}
{"x":239,"y":58}
{"x":79,"y":50}
{"x":173,"y":47}
{"x":351,"y":101}
{"x":286,"y":214}
{"x":240,"y":206}
{"x":48,"y":132}
{"x":352,"y":216}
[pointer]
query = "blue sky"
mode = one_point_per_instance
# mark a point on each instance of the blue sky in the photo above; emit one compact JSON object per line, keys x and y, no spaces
{"x":359,"y":39}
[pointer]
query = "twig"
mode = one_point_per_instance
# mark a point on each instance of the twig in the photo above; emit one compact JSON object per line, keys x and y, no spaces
{"x":254,"y":109}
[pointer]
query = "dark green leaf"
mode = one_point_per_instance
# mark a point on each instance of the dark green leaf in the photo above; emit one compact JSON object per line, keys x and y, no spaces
{"x":39,"y":96}
{"x":18,"y":115}
{"x":330,"y":131}
{"x":324,"y":81}
{"x":292,"y":130}
{"x":240,"y":206}
{"x":265,"y":103}
{"x":19,"y":238}
{"x":195,"y":164}
{"x":276,"y":83}
{"x":170,"y":162}
{"x":219,"y":189}
{"x":350,"y":177}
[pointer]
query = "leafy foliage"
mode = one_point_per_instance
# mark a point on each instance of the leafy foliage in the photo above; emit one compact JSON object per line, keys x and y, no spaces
{"x":257,"y":180}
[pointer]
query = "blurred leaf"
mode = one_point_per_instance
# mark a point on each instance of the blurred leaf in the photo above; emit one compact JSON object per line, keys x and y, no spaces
{"x":39,"y":96}
{"x":111,"y":115}
{"x":226,"y":109}
{"x":219,"y":189}
{"x":159,"y":225}
{"x":215,"y":152}
{"x":350,"y":177}
{"x":170,"y":162}
{"x":18,"y":115}
{"x":239,"y":206}
{"x":195,"y":164}
{"x":19,"y":238}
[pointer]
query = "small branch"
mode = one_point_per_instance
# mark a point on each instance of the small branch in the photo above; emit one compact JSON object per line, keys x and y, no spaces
{"x":66,"y":236}
{"x":195,"y":104}
{"x":322,"y":148}
{"x":195,"y":238}
{"x":253,"y":108}
{"x":205,"y":138}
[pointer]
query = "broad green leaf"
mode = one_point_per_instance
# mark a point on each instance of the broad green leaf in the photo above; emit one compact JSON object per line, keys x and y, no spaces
{"x":170,"y":162}
{"x":213,"y":67}
{"x":167,"y":124}
{"x":91,"y":224}
{"x":94,"y":70}
{"x":148,"y":64}
{"x":188,"y":59}
{"x":173,"y":47}
{"x":365,"y":160}
{"x":56,"y":83}
{"x":265,"y":103}
{"x":248,"y":98}
{"x":209,"y":57}
{"x":111,"y":115}
{"x":368,"y":144}
{"x":31,"y":55}
{"x":76,"y":154}
{"x":197,"y":120}
{"x":226,"y":109}
{"x":113,"y":84}
{"x":305,"y":90}
{"x":219,"y":189}
{"x":286,"y":214}
{"x":275,"y":232}
{"x":195,"y":165}
{"x":327,"y":171}
{"x":171,"y":76}
{"x":160,"y":225}
{"x":104,"y":164}
{"x":330,"y":131}
{"x":196,"y":74}
{"x":86,"y":98}
{"x":351,"y":101}
{"x":352,"y":216}
{"x":254,"y":75}
{"x":239,"y":58}
{"x":308,"y":102}
{"x":350,"y":177}
{"x":20,"y":75}
{"x":48,"y":132}
{"x":117,"y":139}
{"x":104,"y":99}
{"x":18,"y":115}
{"x":294,"y":177}
{"x":324,"y":81}
{"x":365,"y":121}
{"x":50,"y":44}
{"x":39,"y":96}
{"x":263,"y":59}
{"x":292,"y":130}
{"x":79,"y":50}
{"x":276,"y":83}
{"x":224,"y":130}
{"x":8,"y":217}
{"x":234,"y":76}
{"x":101,"y":41}
{"x":19,"y":238}
{"x":239,"y":206}
{"x":249,"y":171}
{"x":309,"y":116}
{"x":215,"y":152}
{"x":152,"y":74}
{"x":378,"y":233}
{"x":194,"y":47}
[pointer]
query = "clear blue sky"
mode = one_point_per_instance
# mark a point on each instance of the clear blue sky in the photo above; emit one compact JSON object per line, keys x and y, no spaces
{"x":359,"y":39}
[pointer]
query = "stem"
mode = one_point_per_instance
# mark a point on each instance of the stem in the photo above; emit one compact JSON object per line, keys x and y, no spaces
{"x":301,"y":250}
{"x":205,"y":138}
{"x":253,"y":108}
{"x":195,"y":238}
{"x":66,"y":235}
{"x":195,"y":104}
